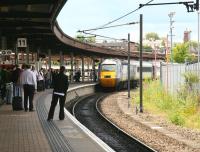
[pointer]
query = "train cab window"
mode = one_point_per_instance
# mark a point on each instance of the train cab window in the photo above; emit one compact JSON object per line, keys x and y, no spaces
{"x":108,"y":67}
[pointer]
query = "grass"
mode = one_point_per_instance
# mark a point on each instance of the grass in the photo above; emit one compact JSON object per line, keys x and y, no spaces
{"x":182,"y":109}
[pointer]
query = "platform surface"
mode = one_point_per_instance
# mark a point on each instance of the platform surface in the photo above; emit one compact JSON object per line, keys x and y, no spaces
{"x":22,"y":131}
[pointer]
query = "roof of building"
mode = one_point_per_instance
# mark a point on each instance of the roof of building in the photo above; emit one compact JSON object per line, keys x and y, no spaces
{"x":36,"y":21}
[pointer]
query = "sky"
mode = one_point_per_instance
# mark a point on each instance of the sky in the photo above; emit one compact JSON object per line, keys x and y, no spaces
{"x":86,"y":14}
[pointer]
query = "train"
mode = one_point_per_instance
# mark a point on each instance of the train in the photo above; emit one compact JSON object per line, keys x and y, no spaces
{"x":113,"y":73}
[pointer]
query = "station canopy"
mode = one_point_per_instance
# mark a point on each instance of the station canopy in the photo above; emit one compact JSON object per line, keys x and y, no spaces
{"x":35,"y":20}
{"x":31,"y":19}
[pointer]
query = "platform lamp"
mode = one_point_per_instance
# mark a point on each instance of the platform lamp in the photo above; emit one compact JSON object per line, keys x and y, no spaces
{"x":141,"y":75}
{"x":171,"y":15}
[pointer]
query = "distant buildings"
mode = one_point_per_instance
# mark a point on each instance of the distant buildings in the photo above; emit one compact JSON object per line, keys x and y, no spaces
{"x":187,"y":36}
{"x":123,"y":46}
{"x":116,"y":45}
{"x":161,"y":45}
{"x":154,"y":44}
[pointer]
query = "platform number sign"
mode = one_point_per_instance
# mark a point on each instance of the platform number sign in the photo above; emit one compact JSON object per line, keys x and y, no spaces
{"x":21,"y":42}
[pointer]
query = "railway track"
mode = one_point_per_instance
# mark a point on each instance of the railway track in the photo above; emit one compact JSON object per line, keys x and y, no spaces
{"x":86,"y":111}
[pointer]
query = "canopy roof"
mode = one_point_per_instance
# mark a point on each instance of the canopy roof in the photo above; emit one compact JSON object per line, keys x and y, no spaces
{"x":36,"y":21}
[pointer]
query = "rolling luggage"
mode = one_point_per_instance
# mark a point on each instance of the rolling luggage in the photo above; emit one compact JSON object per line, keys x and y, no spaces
{"x":17,"y":100}
{"x":17,"y":103}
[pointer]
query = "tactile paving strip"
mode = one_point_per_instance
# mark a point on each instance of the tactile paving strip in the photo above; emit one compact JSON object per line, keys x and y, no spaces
{"x":57,"y":141}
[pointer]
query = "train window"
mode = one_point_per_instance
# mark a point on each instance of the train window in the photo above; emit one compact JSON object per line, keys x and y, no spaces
{"x":108,"y":67}
{"x":145,"y":69}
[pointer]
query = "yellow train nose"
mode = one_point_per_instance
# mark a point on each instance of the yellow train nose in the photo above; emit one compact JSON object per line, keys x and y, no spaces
{"x":108,"y":79}
{"x":108,"y":82}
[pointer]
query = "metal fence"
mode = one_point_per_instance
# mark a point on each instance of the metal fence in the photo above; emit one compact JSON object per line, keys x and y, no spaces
{"x":172,"y":75}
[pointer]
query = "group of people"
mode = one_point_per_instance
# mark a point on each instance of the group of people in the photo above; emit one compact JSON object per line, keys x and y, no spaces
{"x":92,"y":75}
{"x":77,"y":75}
{"x":25,"y":81}
{"x":10,"y":80}
{"x":16,"y":81}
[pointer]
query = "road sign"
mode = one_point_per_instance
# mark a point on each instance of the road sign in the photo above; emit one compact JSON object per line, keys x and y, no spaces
{"x":21,"y":42}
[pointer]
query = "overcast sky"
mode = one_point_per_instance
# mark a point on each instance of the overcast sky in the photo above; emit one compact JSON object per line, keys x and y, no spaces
{"x":85,"y":14}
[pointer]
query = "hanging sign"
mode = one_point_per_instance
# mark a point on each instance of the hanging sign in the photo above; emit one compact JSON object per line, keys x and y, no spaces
{"x":21,"y":42}
{"x":5,"y":52}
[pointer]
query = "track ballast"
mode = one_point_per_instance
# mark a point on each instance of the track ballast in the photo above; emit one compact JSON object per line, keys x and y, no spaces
{"x":85,"y":111}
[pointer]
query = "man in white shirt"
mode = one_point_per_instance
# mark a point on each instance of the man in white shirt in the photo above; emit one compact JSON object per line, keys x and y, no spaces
{"x":28,"y":80}
{"x":41,"y":86}
{"x":34,"y":71}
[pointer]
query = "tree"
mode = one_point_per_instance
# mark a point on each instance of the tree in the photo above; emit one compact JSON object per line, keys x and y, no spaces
{"x":82,"y":38}
{"x":152,"y":36}
{"x":181,"y":53}
{"x":163,"y":42}
{"x":193,"y":46}
{"x":91,"y":39}
{"x":147,"y":48}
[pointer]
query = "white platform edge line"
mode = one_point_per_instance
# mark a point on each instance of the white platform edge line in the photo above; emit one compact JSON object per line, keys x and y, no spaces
{"x":81,"y":86}
{"x":89,"y":133}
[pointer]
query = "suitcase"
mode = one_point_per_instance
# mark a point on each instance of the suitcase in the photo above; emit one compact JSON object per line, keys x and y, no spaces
{"x":17,"y":103}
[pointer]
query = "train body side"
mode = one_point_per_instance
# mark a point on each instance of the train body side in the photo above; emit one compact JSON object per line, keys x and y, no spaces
{"x":124,"y":75}
{"x":147,"y":70}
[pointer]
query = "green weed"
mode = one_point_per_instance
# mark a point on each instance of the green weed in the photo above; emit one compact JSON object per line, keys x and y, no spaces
{"x":177,"y":119}
{"x":182,"y":109}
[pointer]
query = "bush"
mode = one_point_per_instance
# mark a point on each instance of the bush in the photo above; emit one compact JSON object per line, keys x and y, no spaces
{"x":191,"y":78}
{"x":183,"y":110}
{"x":177,"y":119}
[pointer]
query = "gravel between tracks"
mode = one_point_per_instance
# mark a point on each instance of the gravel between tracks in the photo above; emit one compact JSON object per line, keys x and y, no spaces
{"x":151,"y":129}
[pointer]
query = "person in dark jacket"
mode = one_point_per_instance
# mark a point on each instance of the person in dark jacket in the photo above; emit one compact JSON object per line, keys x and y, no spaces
{"x":15,"y":78}
{"x":77,"y":76}
{"x":60,"y":86}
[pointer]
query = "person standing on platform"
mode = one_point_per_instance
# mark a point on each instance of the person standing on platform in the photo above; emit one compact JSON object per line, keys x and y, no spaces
{"x":3,"y":83}
{"x":34,"y":71}
{"x":9,"y":86}
{"x":29,"y":83}
{"x":78,"y":75}
{"x":60,"y":86}
{"x":40,"y":80}
{"x":15,"y":78}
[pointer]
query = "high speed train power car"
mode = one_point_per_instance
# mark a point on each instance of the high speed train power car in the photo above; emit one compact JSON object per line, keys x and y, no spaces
{"x":113,"y":73}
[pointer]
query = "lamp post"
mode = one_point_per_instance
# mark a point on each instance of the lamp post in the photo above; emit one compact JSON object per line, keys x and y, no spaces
{"x":198,"y":41}
{"x":141,"y":59}
{"x":128,"y":70}
{"x":154,"y":47}
{"x":171,"y":14}
{"x":155,"y":60}
{"x":167,"y":57}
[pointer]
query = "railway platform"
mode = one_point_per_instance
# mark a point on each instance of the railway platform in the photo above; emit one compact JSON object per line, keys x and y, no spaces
{"x":31,"y":132}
